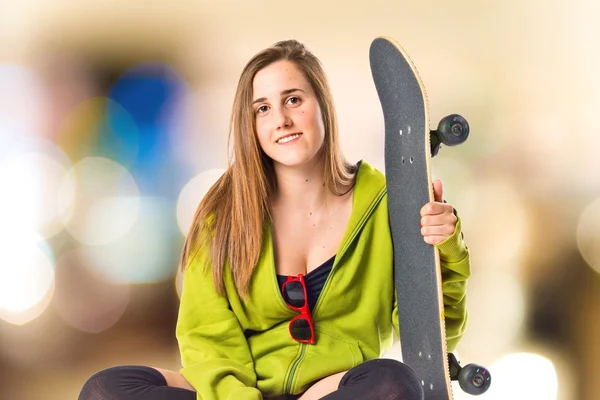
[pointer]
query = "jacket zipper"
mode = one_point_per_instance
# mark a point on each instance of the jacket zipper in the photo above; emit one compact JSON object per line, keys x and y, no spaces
{"x":288,"y":385}
{"x":357,"y":229}
{"x":359,"y":226}
{"x":289,"y":382}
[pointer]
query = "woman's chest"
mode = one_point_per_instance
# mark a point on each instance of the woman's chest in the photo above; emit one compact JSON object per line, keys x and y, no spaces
{"x":304,"y":242}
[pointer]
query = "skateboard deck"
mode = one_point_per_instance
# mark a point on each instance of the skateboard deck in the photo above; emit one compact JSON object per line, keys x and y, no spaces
{"x":417,"y":272}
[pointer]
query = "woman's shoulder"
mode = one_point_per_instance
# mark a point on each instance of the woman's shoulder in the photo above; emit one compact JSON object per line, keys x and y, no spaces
{"x":369,"y":176}
{"x":369,"y":186}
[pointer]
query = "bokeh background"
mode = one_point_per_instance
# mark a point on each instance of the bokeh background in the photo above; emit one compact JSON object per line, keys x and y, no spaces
{"x":113,"y":124}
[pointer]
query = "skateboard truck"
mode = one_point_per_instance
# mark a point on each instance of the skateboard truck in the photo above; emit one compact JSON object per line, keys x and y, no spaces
{"x":472,"y":378}
{"x":452,"y":130}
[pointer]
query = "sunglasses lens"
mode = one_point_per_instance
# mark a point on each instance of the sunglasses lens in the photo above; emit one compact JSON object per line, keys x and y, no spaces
{"x":293,"y":294}
{"x":300,"y":329}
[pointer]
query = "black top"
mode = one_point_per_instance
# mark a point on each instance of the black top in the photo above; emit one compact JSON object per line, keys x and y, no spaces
{"x":315,"y":280}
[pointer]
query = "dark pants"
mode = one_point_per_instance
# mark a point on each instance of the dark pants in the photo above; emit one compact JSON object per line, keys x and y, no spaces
{"x":380,"y":379}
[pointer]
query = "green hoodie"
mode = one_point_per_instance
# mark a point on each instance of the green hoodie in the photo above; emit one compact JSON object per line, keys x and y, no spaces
{"x":235,"y":349}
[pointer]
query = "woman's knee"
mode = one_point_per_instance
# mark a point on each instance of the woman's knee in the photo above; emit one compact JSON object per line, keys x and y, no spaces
{"x":116,"y":382}
{"x":97,"y":386}
{"x":396,"y":369}
{"x":400,"y":378}
{"x":389,"y":376}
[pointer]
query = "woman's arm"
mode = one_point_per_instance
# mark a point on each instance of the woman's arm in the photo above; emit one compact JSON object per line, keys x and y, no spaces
{"x":215,"y":354}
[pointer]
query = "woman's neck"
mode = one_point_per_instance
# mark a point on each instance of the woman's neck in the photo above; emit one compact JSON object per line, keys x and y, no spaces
{"x":301,"y":188}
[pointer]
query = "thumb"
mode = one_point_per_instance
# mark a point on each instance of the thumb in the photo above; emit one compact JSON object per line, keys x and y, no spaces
{"x":438,"y":191}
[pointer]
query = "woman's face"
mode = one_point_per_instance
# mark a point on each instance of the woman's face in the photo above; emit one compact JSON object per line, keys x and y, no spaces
{"x":288,"y":117}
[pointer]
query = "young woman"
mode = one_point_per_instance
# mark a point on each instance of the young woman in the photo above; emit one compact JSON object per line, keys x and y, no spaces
{"x":288,"y":288}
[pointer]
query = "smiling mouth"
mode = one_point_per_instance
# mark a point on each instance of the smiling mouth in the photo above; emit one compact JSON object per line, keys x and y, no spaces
{"x":288,"y":138}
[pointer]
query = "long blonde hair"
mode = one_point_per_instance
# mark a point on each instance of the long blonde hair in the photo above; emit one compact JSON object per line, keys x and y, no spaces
{"x":230,"y":220}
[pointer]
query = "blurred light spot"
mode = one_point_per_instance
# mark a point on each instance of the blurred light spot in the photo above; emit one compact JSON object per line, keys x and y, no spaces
{"x":187,"y":137}
{"x":143,"y":255}
{"x":83,"y":300}
{"x":523,"y":376}
{"x":105,"y":201}
{"x":191,"y":195}
{"x":146,"y":91}
{"x":80,"y":126}
{"x":23,"y":103}
{"x":151,"y":94}
{"x":30,"y":183}
{"x":588,"y":235}
{"x":32,"y":144}
{"x":26,"y":276}
{"x":119,"y":137}
{"x":497,"y":306}
{"x":9,"y":135}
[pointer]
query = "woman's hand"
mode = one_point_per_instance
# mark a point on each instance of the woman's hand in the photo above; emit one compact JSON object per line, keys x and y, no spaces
{"x":437,"y":218}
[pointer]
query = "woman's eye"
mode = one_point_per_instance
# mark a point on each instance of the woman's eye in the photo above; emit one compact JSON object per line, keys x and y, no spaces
{"x":293,"y":100}
{"x":262,"y":109}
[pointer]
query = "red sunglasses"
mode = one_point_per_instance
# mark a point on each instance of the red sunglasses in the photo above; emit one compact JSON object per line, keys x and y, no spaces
{"x":294,"y":293}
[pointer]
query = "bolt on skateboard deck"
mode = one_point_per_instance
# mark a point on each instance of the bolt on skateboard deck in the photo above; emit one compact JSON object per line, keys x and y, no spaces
{"x":409,"y":146}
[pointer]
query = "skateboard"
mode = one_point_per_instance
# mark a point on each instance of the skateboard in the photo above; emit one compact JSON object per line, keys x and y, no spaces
{"x":409,"y":146}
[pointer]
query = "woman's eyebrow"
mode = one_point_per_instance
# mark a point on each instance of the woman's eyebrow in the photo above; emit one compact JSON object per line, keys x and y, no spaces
{"x":283,"y":93}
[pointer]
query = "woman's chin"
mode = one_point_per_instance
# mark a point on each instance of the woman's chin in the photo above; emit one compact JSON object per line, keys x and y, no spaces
{"x":296,"y":162}
{"x":289,"y":163}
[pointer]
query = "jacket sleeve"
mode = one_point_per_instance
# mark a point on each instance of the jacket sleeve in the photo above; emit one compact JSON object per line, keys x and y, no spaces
{"x":456,"y":269}
{"x":215,"y":355}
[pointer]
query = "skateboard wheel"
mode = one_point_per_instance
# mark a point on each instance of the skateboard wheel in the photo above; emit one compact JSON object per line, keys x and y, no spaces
{"x":452,"y":130}
{"x":474,"y":379}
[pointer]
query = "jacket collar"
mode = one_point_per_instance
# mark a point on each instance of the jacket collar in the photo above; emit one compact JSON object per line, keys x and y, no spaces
{"x":369,"y":189}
